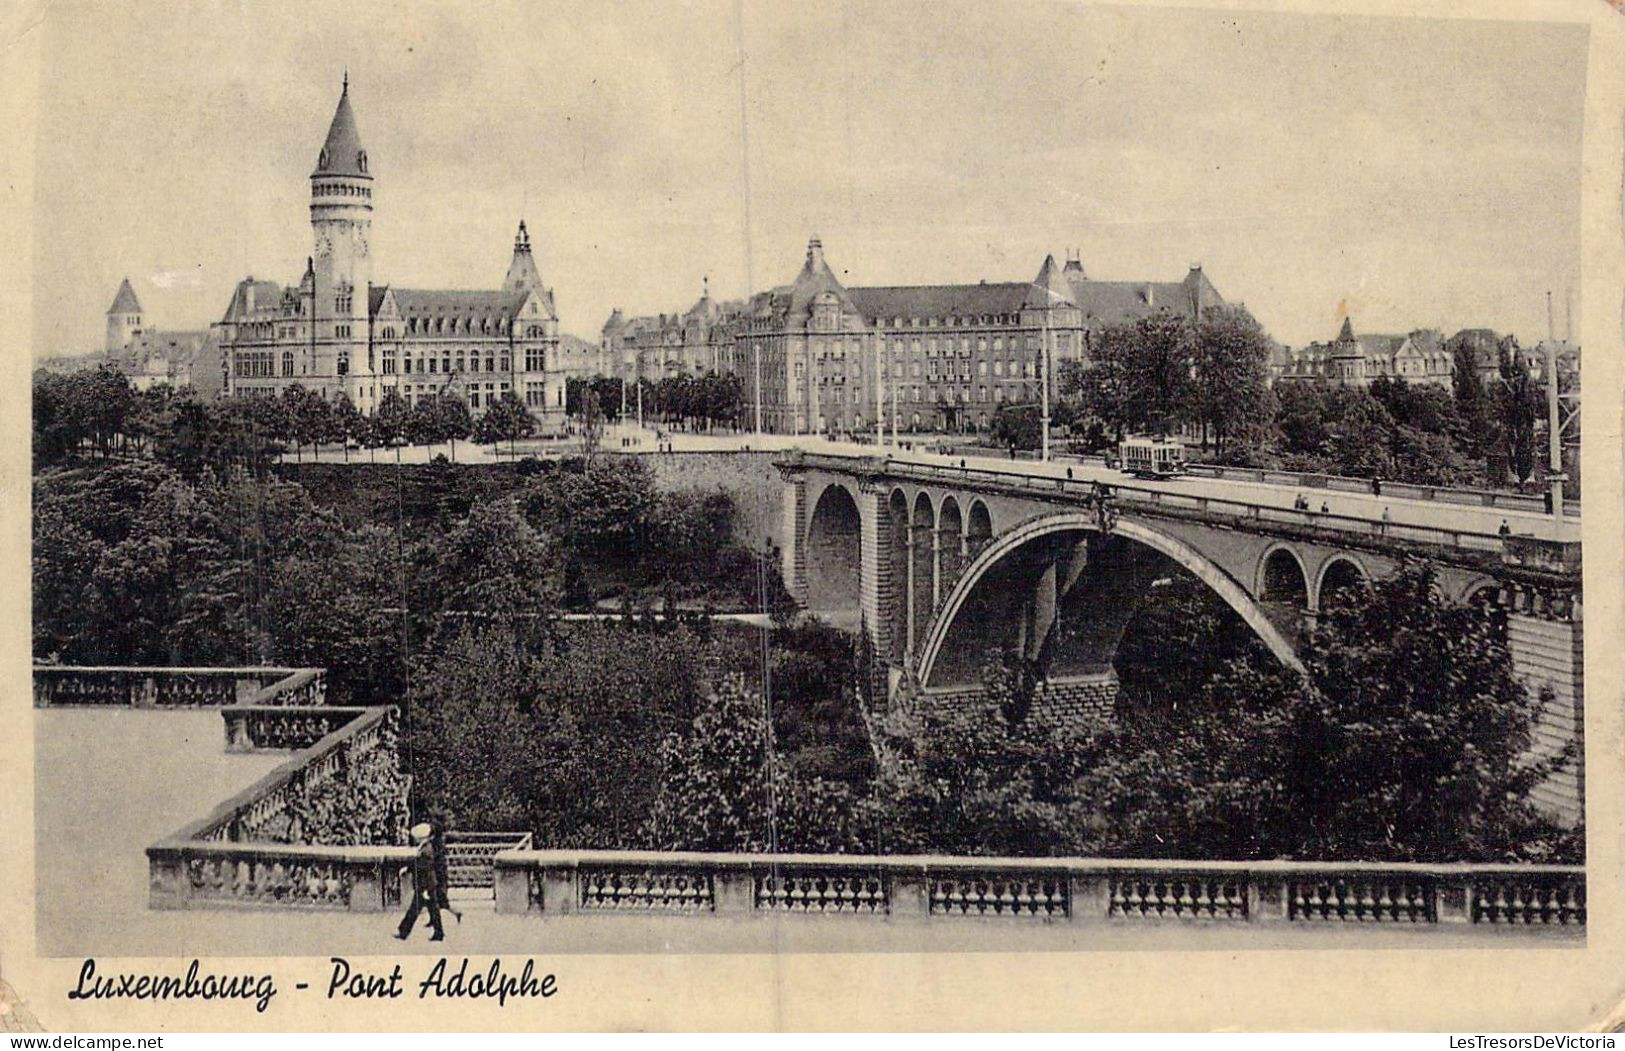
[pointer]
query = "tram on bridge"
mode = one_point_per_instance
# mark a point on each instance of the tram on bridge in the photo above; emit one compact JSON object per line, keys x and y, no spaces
{"x":1150,"y":457}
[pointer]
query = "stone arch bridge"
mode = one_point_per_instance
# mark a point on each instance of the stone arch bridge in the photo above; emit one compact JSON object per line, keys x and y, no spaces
{"x":943,"y":561}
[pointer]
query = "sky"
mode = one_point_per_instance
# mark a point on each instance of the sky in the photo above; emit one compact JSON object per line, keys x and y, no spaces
{"x":1411,"y":173}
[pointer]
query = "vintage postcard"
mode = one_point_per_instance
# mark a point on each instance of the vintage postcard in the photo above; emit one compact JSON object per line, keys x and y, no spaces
{"x":769,"y":516}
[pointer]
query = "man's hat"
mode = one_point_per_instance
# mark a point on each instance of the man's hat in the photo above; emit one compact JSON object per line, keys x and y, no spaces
{"x":420,"y":832}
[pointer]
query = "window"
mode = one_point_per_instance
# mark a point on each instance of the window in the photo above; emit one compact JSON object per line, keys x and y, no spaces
{"x":344,"y":364}
{"x":535,"y":360}
{"x":287,"y":363}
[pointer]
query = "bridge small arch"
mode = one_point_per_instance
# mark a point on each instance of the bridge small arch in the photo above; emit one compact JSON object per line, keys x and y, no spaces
{"x":1199,"y":565}
{"x":1282,"y":578}
{"x":950,"y":545}
{"x":923,"y":568}
{"x":834,"y":552}
{"x":1340,"y":573}
{"x":1480,"y":591}
{"x":896,"y":533}
{"x":978,"y":527}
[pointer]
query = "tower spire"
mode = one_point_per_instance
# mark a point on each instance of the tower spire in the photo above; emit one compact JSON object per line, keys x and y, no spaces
{"x":346,"y":89}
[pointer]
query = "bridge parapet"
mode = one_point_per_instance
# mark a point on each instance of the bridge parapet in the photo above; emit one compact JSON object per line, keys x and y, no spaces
{"x":1235,"y":511}
{"x":1077,"y":890}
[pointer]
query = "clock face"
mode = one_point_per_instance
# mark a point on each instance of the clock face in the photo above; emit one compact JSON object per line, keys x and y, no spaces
{"x":361,"y":245}
{"x":324,"y":243}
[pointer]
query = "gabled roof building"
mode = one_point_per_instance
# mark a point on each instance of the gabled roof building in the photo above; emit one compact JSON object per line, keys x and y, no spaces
{"x":1419,"y":357}
{"x":936,"y":357}
{"x":337,"y":332}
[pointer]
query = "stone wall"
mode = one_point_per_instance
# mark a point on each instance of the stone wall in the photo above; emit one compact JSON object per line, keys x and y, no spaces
{"x":749,"y":477}
{"x":1076,"y":703}
{"x":1548,"y":654}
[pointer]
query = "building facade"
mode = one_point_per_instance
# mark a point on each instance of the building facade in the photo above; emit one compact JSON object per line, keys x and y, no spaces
{"x":336,"y":332}
{"x":152,"y":357}
{"x":660,"y":346}
{"x":836,"y":360}
{"x":1420,"y":358}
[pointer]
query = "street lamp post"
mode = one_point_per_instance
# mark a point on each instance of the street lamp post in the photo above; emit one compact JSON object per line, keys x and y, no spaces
{"x":1044,"y":366}
{"x":1554,"y":428}
{"x":880,"y":394}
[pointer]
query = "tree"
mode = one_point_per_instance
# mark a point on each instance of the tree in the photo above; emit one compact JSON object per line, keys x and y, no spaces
{"x":507,"y":419}
{"x":1230,"y":397}
{"x":1411,"y":740}
{"x":1017,"y":426}
{"x":1520,"y":404}
{"x":345,"y":424}
{"x":495,"y":564}
{"x":723,"y":787}
{"x":1139,"y":374}
{"x":717,"y":779}
{"x":389,"y":422}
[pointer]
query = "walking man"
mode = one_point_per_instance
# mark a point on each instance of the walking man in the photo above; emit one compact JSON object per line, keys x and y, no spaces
{"x":442,"y":869}
{"x":425,"y":893}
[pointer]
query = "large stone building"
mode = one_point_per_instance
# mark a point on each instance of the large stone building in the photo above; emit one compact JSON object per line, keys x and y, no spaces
{"x":336,"y":332}
{"x":1421,"y":358}
{"x":657,"y":346}
{"x":947,"y":356}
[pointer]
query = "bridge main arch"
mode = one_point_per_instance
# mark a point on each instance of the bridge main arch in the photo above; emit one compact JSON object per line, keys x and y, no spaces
{"x":1001,"y":548}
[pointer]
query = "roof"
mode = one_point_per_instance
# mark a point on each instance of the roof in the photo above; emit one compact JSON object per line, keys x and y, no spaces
{"x":342,"y":153}
{"x":1113,"y":301}
{"x":439,"y":302}
{"x":125,"y":302}
{"x":910,"y":301}
{"x":266,"y":296}
{"x":1051,"y":288}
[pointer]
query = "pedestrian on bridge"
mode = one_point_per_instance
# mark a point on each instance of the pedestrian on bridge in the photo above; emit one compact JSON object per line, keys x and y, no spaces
{"x":1505,"y":529}
{"x":424,"y":892}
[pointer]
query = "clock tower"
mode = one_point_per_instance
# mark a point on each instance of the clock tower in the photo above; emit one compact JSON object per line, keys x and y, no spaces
{"x":341,"y":268}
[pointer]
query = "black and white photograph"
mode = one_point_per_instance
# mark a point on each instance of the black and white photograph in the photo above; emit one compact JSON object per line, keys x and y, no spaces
{"x":521,"y":483}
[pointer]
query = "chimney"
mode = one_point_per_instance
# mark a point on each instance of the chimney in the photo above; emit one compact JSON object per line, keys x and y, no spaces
{"x":248,"y":296}
{"x":1150,"y":295}
{"x":815,"y":252}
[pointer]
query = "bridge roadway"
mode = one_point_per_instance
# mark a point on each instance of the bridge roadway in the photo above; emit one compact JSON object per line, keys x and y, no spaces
{"x":1404,"y":511}
{"x":1452,"y":514}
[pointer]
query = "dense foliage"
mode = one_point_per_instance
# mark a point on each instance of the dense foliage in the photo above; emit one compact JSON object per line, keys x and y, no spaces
{"x":440,"y":588}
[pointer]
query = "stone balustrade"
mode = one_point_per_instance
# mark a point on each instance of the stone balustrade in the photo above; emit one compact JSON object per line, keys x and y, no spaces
{"x":237,"y":856}
{"x":57,"y":686}
{"x":270,"y":727}
{"x":307,"y":686}
{"x":259,"y":813}
{"x":203,"y":874}
{"x":551,"y":883}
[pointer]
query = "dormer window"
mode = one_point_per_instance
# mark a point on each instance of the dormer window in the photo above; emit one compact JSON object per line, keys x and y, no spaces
{"x":321,"y":162}
{"x":361,"y":160}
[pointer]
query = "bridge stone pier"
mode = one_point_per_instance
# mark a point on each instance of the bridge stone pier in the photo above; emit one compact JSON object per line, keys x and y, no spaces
{"x":945,"y":565}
